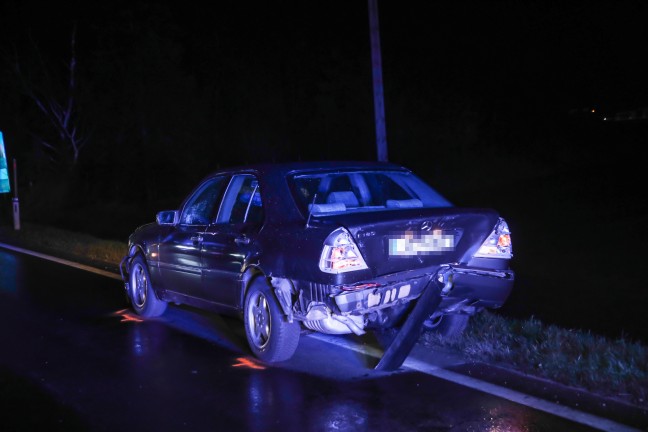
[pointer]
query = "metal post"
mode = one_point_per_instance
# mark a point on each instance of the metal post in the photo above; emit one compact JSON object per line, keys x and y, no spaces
{"x":376,"y":69}
{"x":16,"y":203}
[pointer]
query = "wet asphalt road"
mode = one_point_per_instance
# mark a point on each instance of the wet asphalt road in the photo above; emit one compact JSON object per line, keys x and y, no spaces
{"x":73,"y":358}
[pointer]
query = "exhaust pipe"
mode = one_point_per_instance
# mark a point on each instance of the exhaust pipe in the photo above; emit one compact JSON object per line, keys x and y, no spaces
{"x":349,"y":323}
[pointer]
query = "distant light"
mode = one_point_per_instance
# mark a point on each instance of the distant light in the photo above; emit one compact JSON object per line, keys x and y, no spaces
{"x":593,"y":110}
{"x":604,"y":118}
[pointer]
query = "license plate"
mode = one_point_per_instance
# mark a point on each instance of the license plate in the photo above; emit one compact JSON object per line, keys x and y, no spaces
{"x":412,"y":244}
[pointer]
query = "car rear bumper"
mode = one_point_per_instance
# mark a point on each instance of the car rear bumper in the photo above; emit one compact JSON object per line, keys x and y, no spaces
{"x":381,"y":296}
{"x":479,"y":287}
{"x":471,"y":286}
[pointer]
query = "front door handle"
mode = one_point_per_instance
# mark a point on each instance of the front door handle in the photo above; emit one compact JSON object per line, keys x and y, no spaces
{"x":242,"y":240}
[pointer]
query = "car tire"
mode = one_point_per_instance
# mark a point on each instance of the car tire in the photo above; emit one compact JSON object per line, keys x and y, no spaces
{"x":450,"y":326}
{"x":270,"y":336}
{"x":140,"y":290}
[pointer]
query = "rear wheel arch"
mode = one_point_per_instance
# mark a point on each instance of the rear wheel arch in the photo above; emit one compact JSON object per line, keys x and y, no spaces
{"x":248,"y":277}
{"x":271,"y":337}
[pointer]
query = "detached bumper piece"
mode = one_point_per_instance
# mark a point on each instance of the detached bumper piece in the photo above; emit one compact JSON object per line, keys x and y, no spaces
{"x":481,"y":287}
{"x":409,"y":333}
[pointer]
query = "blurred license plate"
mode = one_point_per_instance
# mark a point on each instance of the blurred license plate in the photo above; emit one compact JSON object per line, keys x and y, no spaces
{"x":411,"y":244}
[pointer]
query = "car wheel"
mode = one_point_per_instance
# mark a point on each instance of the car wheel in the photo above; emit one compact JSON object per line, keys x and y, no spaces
{"x":449,"y":326}
{"x":140,"y":290}
{"x":270,"y":337}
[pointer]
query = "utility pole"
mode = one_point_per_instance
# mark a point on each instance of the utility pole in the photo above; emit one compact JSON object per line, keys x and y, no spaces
{"x":376,"y":70}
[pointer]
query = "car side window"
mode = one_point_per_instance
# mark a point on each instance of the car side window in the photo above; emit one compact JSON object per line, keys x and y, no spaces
{"x":242,"y":202}
{"x":200,"y":208}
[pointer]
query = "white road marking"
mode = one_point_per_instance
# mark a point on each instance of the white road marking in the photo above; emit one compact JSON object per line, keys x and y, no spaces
{"x":63,"y":261}
{"x":502,"y":392}
{"x":466,"y":381}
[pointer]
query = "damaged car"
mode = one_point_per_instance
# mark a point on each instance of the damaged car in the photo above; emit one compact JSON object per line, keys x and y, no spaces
{"x":332,"y":247}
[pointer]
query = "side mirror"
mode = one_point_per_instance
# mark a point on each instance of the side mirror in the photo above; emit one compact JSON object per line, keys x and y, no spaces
{"x":167,"y":217}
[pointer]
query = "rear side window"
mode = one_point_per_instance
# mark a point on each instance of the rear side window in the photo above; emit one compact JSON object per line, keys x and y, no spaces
{"x":242,"y":202}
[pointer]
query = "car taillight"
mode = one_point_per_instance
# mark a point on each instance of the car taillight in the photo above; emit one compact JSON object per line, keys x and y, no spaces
{"x":340,"y":253}
{"x":498,"y":244}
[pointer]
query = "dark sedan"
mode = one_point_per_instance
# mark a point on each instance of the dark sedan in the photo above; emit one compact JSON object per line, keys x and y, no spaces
{"x":334,"y":247}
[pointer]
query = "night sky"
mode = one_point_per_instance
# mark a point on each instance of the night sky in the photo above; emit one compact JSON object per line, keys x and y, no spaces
{"x":292,"y":80}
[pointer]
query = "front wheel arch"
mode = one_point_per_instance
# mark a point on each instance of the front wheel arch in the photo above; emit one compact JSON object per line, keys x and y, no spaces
{"x":141,"y":293}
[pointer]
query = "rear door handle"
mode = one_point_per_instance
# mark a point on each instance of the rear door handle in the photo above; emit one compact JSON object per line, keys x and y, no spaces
{"x":242,"y":240}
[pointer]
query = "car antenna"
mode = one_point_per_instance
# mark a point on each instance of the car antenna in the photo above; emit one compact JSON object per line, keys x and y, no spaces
{"x":310,"y":210}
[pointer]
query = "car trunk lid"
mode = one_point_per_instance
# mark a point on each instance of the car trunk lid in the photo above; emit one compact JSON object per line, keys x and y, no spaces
{"x":408,"y":239}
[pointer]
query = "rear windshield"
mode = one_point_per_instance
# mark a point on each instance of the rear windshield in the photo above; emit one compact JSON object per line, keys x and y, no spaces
{"x":329,"y":193}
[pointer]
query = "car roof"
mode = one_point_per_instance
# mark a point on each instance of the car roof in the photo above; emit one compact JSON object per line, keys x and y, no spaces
{"x":279,"y":204}
{"x":285,"y":168}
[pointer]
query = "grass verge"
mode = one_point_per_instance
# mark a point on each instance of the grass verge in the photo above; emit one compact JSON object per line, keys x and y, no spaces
{"x":612,"y":368}
{"x":66,"y":244}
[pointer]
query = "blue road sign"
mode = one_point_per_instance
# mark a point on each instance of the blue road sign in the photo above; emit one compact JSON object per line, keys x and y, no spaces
{"x":5,"y":186}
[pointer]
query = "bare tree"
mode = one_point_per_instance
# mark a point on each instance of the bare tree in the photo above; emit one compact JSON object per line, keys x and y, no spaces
{"x":60,"y":108}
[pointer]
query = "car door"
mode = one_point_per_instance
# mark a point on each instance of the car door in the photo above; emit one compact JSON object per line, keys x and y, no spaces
{"x":180,"y":251}
{"x":231,"y":240}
